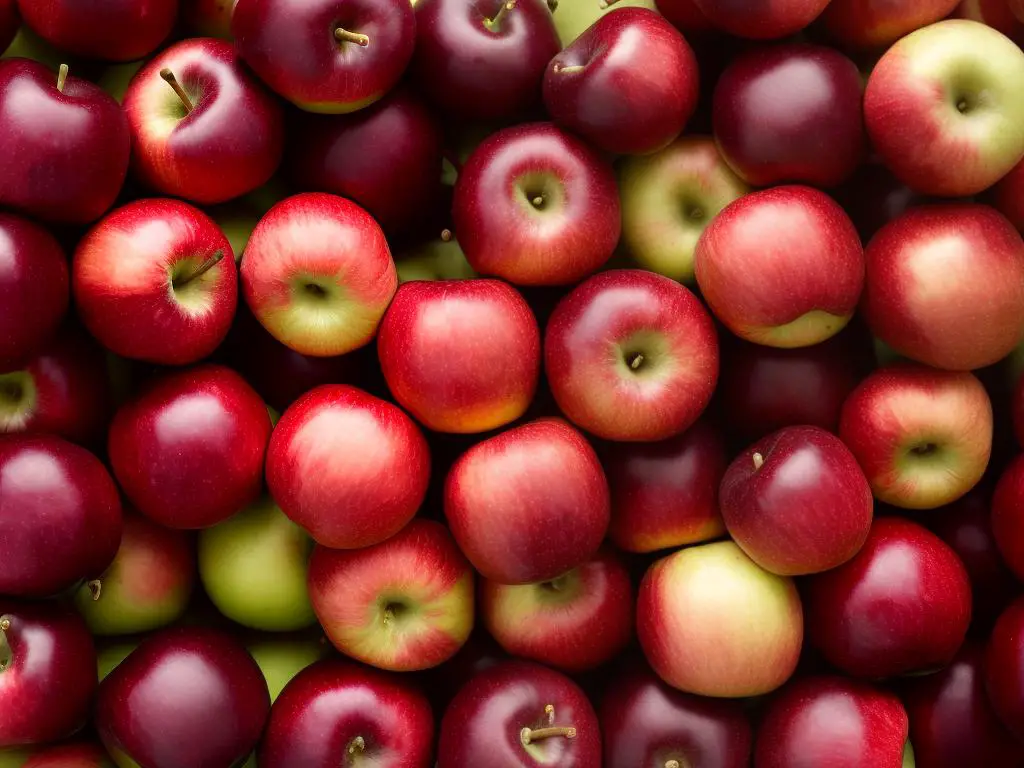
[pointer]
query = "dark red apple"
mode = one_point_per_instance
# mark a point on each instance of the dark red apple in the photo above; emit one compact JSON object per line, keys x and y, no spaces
{"x":876,"y":25}
{"x":1008,"y":195}
{"x":1004,"y":668}
{"x":1008,"y":516}
{"x":685,"y":16}
{"x":761,"y":20}
{"x":77,"y":754}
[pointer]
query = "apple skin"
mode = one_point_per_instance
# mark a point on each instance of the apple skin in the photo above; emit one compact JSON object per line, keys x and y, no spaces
{"x":461,"y":356}
{"x":337,"y":708}
{"x":1004,"y":668}
{"x":484,"y":723}
{"x":998,"y":14}
{"x":291,"y":46}
{"x":328,"y":295}
{"x":208,"y":18}
{"x":912,"y":108}
{"x":901,"y":606}
{"x":380,"y":485}
{"x":603,"y":87}
{"x":188,"y":449}
{"x":685,"y":16}
{"x":1008,"y":516}
{"x":783,"y":267}
{"x":1008,"y":196}
{"x":714,"y":623}
{"x":71,"y":755}
{"x":875,"y":25}
{"x":631,"y":356}
{"x":506,"y":499}
{"x":1018,"y":411}
{"x":65,"y":153}
{"x":758,"y":20}
{"x":405,"y":604}
{"x":282,"y":659}
{"x":164,"y":706}
{"x":10,"y":20}
{"x":502,"y":229}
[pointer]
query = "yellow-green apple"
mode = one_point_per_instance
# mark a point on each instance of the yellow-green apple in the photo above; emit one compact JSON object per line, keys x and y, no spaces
{"x":203,"y":128}
{"x":574,"y":622}
{"x":759,"y":20}
{"x":790,"y":113}
{"x":188,"y":448}
{"x":945,"y":286}
{"x":535,"y":205}
{"x":331,"y":56}
{"x":944,"y":107}
{"x":876,"y":25}
{"x":998,"y":14}
{"x":65,"y":144}
{"x":529,"y":504}
{"x":370,"y":495}
{"x":684,"y":15}
{"x":603,"y":86}
{"x":81,"y":754}
{"x":336,"y":710}
{"x":405,"y":604}
{"x":573,"y":17}
{"x":460,"y":355}
{"x":1008,"y":196}
{"x":1008,"y":516}
{"x":60,"y":514}
{"x":923,"y":437}
{"x":282,"y":658}
{"x":1004,"y":668}
{"x":631,"y":355}
{"x":901,"y":606}
{"x":168,"y":267}
{"x":665,"y":494}
{"x":10,"y":20}
{"x":208,"y":18}
{"x":714,"y":623}
{"x":318,"y":274}
{"x":438,"y":259}
{"x":783,"y":267}
{"x":669,"y":197}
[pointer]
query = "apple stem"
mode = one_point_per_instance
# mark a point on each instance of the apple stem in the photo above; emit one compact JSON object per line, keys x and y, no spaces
{"x":357,"y":745}
{"x":446,"y":235}
{"x":758,"y":461}
{"x":95,"y":588}
{"x":344,"y":36}
{"x":637,"y":361}
{"x":505,"y":8}
{"x":672,"y":764}
{"x":172,"y":81}
{"x":201,"y":270}
{"x":5,"y":646}
{"x":62,"y":77}
{"x":529,"y":735}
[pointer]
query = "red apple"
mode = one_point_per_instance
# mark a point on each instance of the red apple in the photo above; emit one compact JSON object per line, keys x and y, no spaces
{"x":760,"y":20}
{"x":208,"y":18}
{"x":1018,"y":411}
{"x":1008,"y":516}
{"x":1008,"y":196}
{"x":685,"y":16}
{"x":998,"y":14}
{"x":10,"y":20}
{"x":1017,"y":8}
{"x":1004,"y":668}
{"x":875,"y":25}
{"x":83,"y":754}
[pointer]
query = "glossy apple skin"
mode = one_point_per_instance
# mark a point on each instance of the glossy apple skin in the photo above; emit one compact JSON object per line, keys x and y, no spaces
{"x":790,"y":113}
{"x":363,"y":500}
{"x":291,"y":46}
{"x":164,"y":706}
{"x":900,"y":606}
{"x":505,"y":497}
{"x":1008,"y":196}
{"x":1008,"y":516}
{"x":405,"y":604}
{"x":571,"y":234}
{"x":327,"y":706}
{"x":876,"y":25}
{"x":603,"y":87}
{"x":483,"y":724}
{"x":72,"y":755}
{"x":782,"y":267}
{"x":759,"y":20}
{"x":188,"y":449}
{"x":65,"y":154}
{"x":461,"y":356}
{"x":619,"y":319}
{"x":1004,"y":668}
{"x":10,"y":20}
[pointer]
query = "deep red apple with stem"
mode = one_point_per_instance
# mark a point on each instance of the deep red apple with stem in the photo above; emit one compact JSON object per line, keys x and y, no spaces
{"x":1004,"y":668}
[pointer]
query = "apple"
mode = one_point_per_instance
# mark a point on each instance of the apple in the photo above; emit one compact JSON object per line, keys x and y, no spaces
{"x":1018,"y":411}
{"x":330,"y":56}
{"x":602,"y":87}
{"x":631,"y":356}
{"x":1008,"y":196}
{"x":65,"y":144}
{"x":336,"y":708}
{"x":405,"y":604}
{"x":714,"y":623}
{"x":759,"y":20}
{"x":998,"y":14}
{"x":280,"y":659}
{"x":518,"y":713}
{"x":208,"y":18}
{"x":856,"y":24}
{"x":536,"y":206}
{"x":783,"y":267}
{"x":685,"y":16}
{"x":1008,"y":516}
{"x":81,"y":754}
{"x":1004,"y":668}
{"x":188,"y":449}
{"x":328,"y":295}
{"x":923,"y":437}
{"x":186,"y":696}
{"x":573,"y":17}
{"x":900,"y":606}
{"x":944,"y":108}
{"x":10,"y":20}
{"x":1017,"y":8}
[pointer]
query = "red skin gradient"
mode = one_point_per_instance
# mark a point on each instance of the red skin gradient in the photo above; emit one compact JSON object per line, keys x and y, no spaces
{"x":1004,"y":668}
{"x":370,"y":495}
{"x":75,"y":755}
{"x":685,"y":16}
{"x":65,"y":154}
{"x":503,"y":234}
{"x":10,"y":20}
{"x":1008,"y":516}
{"x":636,"y":90}
{"x":900,"y":606}
{"x":874,"y":25}
{"x":188,"y":449}
{"x":997,"y":14}
{"x":790,"y":113}
{"x":1008,"y":196}
{"x":597,"y":330}
{"x":460,"y":355}
{"x":60,"y":513}
{"x":529,"y":504}
{"x":761,"y":19}
{"x":186,"y":696}
{"x":665,"y":494}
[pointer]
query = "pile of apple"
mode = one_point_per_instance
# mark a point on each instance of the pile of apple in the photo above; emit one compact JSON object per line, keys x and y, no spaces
{"x":511,"y":383}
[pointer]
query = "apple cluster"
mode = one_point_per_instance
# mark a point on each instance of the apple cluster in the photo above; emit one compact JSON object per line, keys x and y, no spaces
{"x":511,"y":384}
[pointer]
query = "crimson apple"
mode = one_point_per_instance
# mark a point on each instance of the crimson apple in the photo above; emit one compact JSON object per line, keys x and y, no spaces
{"x":759,"y":20}
{"x":1004,"y":668}
{"x":871,"y":25}
{"x":685,"y":16}
{"x":998,"y":14}
{"x":1008,"y":196}
{"x":1008,"y":516}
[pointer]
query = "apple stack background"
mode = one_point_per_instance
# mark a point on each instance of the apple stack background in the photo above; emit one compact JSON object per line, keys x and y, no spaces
{"x":511,"y":383}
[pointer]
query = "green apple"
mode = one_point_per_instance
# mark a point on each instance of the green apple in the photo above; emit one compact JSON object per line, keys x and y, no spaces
{"x":281,"y":660}
{"x":440,"y":259}
{"x":109,"y":656}
{"x":574,"y":16}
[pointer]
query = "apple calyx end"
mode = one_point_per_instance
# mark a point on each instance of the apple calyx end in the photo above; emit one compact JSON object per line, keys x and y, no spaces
{"x":446,"y":235}
{"x":62,"y":77}
{"x":758,"y":461}
{"x":172,"y":81}
{"x":95,"y":589}
{"x":199,"y":271}
{"x":344,"y":36}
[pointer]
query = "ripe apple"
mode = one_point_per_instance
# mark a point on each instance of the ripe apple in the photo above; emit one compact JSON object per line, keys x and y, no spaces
{"x":405,"y":604}
{"x":573,"y":17}
{"x":1018,"y":411}
{"x":759,"y":20}
{"x":782,"y":267}
{"x":332,"y":56}
{"x":1008,"y":516}
{"x":1008,"y":196}
{"x":1004,"y":668}
{"x":631,"y":355}
{"x":536,"y":206}
{"x":280,"y":659}
{"x":10,"y":20}
{"x":873,"y":25}
{"x":685,"y":16}
{"x":714,"y":623}
{"x":208,"y":18}
{"x":318,"y":274}
{"x":998,"y":14}
{"x":83,"y":754}
{"x":941,"y":131}
{"x":65,"y":144}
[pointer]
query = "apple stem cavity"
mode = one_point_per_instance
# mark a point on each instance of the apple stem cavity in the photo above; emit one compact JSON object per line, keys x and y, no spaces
{"x":199,"y":271}
{"x":5,"y":646}
{"x":172,"y":81}
{"x":505,"y":8}
{"x":758,"y":461}
{"x":344,"y":36}
{"x":552,"y":5}
{"x":62,"y":77}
